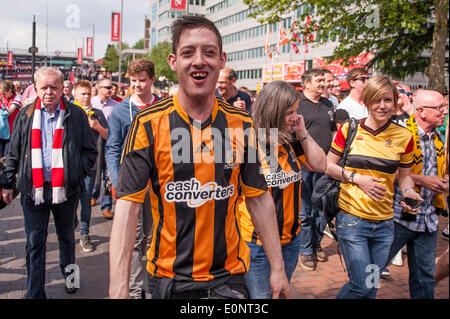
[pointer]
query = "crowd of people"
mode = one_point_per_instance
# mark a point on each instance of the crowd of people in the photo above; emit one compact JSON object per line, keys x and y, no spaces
{"x":213,"y":184}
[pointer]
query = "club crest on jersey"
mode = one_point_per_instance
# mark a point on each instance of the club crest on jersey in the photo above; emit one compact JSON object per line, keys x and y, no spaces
{"x":194,"y":194}
{"x":388,"y":142}
{"x":231,"y":161}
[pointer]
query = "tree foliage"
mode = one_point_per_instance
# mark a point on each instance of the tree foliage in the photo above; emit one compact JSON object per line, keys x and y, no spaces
{"x":139,"y":44}
{"x":111,"y":60}
{"x":398,"y":32}
{"x":158,"y":55}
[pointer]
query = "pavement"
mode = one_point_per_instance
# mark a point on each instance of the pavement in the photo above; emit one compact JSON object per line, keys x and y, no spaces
{"x":323,"y":283}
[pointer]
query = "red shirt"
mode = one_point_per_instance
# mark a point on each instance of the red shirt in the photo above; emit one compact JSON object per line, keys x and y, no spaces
{"x":13,"y":100}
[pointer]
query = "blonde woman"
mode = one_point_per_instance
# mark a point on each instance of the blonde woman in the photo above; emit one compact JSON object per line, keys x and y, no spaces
{"x":380,"y":152}
{"x":276,"y":107}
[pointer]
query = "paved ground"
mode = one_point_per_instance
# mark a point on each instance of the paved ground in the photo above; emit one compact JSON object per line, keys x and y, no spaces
{"x":324,"y":283}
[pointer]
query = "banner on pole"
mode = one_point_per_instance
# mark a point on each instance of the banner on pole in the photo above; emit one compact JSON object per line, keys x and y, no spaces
{"x":10,"y":58}
{"x":80,"y":56}
{"x":115,"y":27}
{"x":89,"y":43}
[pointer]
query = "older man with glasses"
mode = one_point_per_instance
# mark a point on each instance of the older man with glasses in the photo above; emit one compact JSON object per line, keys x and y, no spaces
{"x":106,"y":104}
{"x":353,"y":104}
{"x":419,"y":231}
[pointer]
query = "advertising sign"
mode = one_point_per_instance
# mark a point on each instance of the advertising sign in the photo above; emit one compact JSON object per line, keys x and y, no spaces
{"x":115,"y":27}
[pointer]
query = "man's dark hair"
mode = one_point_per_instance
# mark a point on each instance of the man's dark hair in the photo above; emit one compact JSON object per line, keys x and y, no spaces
{"x":356,"y":73}
{"x":192,"y":22}
{"x":308,"y":75}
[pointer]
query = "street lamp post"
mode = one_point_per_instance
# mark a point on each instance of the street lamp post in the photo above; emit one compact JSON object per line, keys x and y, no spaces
{"x":7,"y":54}
{"x":75,"y":45}
{"x":93,"y":59}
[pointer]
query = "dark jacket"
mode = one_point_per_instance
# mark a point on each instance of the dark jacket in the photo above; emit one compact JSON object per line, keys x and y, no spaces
{"x":79,"y":150}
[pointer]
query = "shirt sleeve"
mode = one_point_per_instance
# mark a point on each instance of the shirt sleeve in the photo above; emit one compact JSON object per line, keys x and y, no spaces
{"x":252,"y":179}
{"x":406,"y":159}
{"x":338,"y":144}
{"x":135,"y":166}
{"x":299,"y":152}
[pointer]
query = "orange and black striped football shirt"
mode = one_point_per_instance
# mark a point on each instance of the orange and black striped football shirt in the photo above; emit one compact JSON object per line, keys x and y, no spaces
{"x":284,"y":182}
{"x":376,"y":153}
{"x":193,"y":173}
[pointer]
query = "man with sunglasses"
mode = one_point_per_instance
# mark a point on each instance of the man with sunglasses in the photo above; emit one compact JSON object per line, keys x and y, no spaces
{"x":106,"y":104}
{"x":404,"y":105}
{"x":353,"y":104}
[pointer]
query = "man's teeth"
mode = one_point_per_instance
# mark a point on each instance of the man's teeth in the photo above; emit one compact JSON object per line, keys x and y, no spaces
{"x":199,"y":75}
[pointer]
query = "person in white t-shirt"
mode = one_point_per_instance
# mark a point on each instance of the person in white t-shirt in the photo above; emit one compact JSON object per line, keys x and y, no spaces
{"x":353,"y":103}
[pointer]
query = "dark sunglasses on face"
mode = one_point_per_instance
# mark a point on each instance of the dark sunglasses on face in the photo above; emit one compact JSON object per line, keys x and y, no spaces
{"x":107,"y":87}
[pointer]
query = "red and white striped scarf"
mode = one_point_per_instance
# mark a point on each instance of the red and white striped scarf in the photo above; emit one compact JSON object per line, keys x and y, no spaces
{"x":58,"y":190}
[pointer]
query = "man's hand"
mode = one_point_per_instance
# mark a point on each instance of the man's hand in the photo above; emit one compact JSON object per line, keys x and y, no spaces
{"x":7,"y":196}
{"x":94,"y":124}
{"x":435,"y":183}
{"x":239,"y":103}
{"x":262,"y":212}
{"x":280,"y":285}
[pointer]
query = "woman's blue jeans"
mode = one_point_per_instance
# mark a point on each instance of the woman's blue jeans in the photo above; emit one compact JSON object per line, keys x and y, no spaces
{"x":258,"y":276}
{"x":365,"y":247}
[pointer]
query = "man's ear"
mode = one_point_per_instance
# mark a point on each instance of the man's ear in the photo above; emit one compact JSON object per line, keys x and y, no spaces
{"x":223,"y":60}
{"x":172,"y":59}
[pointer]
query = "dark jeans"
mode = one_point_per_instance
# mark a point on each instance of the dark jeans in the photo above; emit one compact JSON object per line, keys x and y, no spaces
{"x":421,"y":250}
{"x":106,"y":202}
{"x":4,"y":147}
{"x":85,"y":202}
{"x":312,"y":219}
{"x":36,"y":228}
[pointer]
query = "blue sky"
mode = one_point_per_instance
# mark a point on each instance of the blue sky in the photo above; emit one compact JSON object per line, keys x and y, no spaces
{"x":69,"y":22}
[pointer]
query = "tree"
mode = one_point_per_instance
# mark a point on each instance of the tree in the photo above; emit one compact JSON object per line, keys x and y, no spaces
{"x":400,"y":33}
{"x":158,"y":55}
{"x":111,"y":60}
{"x":139,"y":44}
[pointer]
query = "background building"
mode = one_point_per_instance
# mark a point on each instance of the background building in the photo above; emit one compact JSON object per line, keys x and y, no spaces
{"x":164,"y":12}
{"x":244,"y":41}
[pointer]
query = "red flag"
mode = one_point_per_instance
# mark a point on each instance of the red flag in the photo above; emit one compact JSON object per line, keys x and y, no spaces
{"x":267,"y":45}
{"x":115,"y":27}
{"x":307,"y":35}
{"x":295,"y":47}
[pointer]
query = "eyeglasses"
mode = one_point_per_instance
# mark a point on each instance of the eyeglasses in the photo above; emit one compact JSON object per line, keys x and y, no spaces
{"x":107,"y":87}
{"x":362,"y":78}
{"x":437,"y":108}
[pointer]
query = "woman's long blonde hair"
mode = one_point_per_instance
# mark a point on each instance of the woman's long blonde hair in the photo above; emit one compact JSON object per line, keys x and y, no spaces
{"x":270,"y":108}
